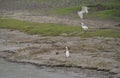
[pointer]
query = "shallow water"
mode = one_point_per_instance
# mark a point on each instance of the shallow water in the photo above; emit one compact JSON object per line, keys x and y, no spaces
{"x":18,"y":70}
{"x":14,"y":70}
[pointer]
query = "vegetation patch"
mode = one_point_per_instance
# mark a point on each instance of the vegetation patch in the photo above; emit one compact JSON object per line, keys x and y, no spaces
{"x":66,"y":10}
{"x":98,"y":9}
{"x":105,"y":14}
{"x":49,"y":29}
{"x":106,"y":10}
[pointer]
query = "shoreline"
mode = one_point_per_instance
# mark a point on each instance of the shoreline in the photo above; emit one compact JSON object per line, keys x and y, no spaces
{"x":62,"y":66}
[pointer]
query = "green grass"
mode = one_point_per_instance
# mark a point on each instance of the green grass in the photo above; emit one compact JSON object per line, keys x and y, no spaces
{"x":48,"y":29}
{"x":66,"y":10}
{"x":113,"y":4}
{"x":106,"y":10}
{"x":104,"y":33}
{"x":105,"y":14}
{"x":100,"y":10}
{"x":102,"y":14}
{"x":38,"y":0}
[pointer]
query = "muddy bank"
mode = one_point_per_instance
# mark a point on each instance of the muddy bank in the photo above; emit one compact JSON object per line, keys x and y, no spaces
{"x":97,"y":53}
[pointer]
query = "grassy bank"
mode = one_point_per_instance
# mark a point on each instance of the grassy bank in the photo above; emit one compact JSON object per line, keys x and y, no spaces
{"x":48,"y":29}
{"x":106,"y":10}
{"x":99,"y":9}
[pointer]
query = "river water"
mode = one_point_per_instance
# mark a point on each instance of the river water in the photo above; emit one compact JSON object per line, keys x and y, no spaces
{"x":18,"y":70}
{"x":14,"y":70}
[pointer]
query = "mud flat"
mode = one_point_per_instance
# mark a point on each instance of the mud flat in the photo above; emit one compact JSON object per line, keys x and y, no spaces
{"x":98,"y":54}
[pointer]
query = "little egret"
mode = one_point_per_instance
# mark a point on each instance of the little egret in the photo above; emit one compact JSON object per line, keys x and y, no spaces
{"x":84,"y":10}
{"x":67,"y":53}
{"x":84,"y":26}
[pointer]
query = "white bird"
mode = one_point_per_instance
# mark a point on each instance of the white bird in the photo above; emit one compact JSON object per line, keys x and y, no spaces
{"x":80,"y":13}
{"x":84,"y":10}
{"x":84,"y":26}
{"x":67,"y":53}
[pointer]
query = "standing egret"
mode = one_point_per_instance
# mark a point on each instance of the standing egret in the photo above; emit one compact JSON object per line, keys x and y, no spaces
{"x":84,"y":26}
{"x":84,"y":10}
{"x":67,"y":53}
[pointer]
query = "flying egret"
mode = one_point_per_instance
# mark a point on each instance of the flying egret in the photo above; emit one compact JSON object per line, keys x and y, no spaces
{"x":67,"y":53}
{"x":80,"y":13}
{"x":84,"y":10}
{"x":84,"y":26}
